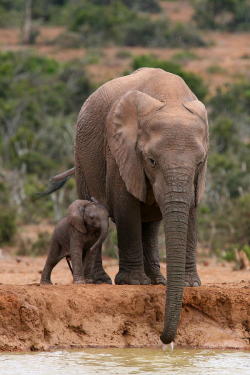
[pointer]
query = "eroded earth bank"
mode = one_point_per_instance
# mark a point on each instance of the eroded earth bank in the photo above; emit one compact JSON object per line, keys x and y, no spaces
{"x":34,"y":317}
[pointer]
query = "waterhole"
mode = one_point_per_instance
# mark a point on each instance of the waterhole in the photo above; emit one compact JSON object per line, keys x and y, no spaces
{"x":126,"y":361}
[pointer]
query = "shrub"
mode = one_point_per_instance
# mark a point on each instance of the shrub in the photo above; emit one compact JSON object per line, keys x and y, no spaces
{"x":34,"y":248}
{"x":222,"y":14}
{"x":110,"y":247}
{"x":216,"y":69}
{"x":184,"y":56}
{"x":150,"y":6}
{"x":193,"y":80}
{"x":181,"y":35}
{"x":7,"y":214}
{"x":103,"y":22}
{"x":39,"y":102}
{"x":225,"y":221}
{"x":7,"y":224}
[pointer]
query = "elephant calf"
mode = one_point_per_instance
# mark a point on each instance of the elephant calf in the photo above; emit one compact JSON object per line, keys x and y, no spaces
{"x":82,"y":231}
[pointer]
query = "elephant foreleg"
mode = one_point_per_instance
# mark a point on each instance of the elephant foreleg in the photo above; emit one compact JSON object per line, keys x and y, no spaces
{"x":151,"y":252}
{"x":76,"y":249}
{"x":191,"y":274}
{"x":129,"y":233}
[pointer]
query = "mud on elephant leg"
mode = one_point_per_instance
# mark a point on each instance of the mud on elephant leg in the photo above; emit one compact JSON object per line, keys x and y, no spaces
{"x":93,"y":269}
{"x":191,"y":275}
{"x":151,"y":252}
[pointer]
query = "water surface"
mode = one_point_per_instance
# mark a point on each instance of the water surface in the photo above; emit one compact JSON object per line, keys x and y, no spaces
{"x":126,"y":361}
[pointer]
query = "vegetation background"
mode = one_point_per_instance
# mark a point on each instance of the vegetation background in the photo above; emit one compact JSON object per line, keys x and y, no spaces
{"x":54,"y":53}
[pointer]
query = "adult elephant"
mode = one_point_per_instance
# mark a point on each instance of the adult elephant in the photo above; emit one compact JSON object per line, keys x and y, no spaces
{"x":141,"y":149}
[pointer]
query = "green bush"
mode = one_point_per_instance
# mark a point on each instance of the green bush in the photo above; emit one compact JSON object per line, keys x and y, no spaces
{"x":150,"y":6}
{"x":39,"y":102}
{"x":7,"y":224}
{"x":224,"y":219}
{"x":222,"y":14}
{"x":119,"y":22}
{"x":184,"y":56}
{"x":110,"y":247}
{"x":193,"y":80}
{"x":7,"y":214}
{"x":38,"y":247}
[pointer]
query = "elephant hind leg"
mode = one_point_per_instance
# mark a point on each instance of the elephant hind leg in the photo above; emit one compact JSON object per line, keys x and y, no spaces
{"x":54,"y":256}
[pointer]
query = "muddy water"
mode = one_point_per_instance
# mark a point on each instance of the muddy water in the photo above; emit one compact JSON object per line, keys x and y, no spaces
{"x":127,"y":361}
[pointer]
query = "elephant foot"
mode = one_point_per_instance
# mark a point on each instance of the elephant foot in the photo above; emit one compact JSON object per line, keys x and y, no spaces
{"x":192,"y":279}
{"x":79,"y":280}
{"x":158,"y":279}
{"x":155,"y":275}
{"x":132,"y":278}
{"x":99,"y":278}
{"x":46,"y":282}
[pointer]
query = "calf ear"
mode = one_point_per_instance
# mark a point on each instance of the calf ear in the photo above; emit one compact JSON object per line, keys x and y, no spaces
{"x":76,"y":214}
{"x":200,"y":183}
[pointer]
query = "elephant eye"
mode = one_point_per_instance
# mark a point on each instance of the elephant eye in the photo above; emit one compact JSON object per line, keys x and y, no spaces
{"x":152,"y":162}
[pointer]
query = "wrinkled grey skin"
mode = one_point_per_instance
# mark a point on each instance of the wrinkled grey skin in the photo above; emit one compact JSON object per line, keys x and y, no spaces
{"x":141,"y":149}
{"x":81,"y":232}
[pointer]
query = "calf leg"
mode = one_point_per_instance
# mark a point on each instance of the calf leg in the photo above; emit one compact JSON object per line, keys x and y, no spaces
{"x":54,"y":256}
{"x":76,"y":250}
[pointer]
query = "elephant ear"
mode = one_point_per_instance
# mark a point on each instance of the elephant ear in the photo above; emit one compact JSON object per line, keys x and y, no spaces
{"x":200,"y":182}
{"x":123,"y":130}
{"x":197,"y":108}
{"x":76,"y":214}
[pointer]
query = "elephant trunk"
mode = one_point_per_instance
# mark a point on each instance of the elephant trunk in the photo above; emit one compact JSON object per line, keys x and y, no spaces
{"x":102,"y":236}
{"x":175,"y":217}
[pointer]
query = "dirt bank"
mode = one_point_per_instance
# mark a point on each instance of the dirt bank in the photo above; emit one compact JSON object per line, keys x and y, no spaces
{"x":34,"y":317}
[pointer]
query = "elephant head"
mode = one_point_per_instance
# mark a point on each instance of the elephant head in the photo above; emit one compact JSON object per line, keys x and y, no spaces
{"x":84,"y":214}
{"x":163,"y":144}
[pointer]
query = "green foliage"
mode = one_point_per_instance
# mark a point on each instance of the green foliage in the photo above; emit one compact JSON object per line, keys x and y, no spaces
{"x":215,"y":69}
{"x":193,"y":80}
{"x":246,"y":249}
{"x":119,"y":22}
{"x":184,"y":56}
{"x":222,"y":14}
{"x":123,"y":54}
{"x":39,"y":101}
{"x":110,"y":247}
{"x":7,"y":214}
{"x":225,"y":221}
{"x":150,"y":6}
{"x":34,"y":248}
{"x":7,"y":224}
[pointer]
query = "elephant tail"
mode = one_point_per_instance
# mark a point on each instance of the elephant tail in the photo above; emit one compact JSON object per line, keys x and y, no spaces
{"x":56,"y":182}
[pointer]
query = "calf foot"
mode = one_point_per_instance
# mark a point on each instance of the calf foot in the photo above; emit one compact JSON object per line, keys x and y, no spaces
{"x":132,"y":278}
{"x":192,"y":279}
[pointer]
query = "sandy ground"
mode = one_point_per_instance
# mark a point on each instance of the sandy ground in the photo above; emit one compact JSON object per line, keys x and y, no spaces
{"x":27,"y":270}
{"x":34,"y":317}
